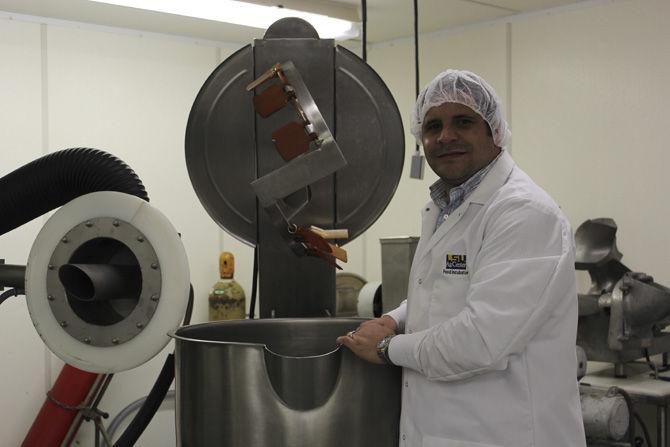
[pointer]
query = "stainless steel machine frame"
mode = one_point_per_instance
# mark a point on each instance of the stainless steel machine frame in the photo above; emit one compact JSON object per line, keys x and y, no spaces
{"x":228,"y":147}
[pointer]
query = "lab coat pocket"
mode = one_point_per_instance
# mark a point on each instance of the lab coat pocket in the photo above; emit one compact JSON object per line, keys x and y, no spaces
{"x":448,"y":297}
{"x":432,"y":441}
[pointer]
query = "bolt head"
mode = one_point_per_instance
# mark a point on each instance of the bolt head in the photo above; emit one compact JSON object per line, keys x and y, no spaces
{"x":140,"y":239}
{"x":65,"y":240}
{"x":139,"y":325}
{"x":89,"y":224}
{"x":63,"y":323}
{"x":154,"y":265}
{"x":51,"y":267}
{"x":50,"y":297}
{"x":115,"y":341}
{"x":115,"y":223}
{"x":87,"y":340}
{"x":154,"y":297}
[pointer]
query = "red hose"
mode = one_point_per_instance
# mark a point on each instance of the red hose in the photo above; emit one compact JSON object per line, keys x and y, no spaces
{"x":53,"y":422}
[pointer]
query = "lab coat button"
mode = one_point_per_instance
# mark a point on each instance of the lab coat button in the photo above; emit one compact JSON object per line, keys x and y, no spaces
{"x":420,"y":281}
{"x":403,"y":437}
{"x":406,"y":384}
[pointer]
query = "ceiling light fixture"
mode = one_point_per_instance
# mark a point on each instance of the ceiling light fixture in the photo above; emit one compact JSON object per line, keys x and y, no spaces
{"x":243,"y":13}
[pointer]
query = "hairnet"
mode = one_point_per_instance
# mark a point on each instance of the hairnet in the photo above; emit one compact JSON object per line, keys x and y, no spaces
{"x":462,"y":87}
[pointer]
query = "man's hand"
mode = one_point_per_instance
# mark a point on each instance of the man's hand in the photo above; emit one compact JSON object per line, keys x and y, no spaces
{"x":363,"y":341}
{"x":385,"y":320}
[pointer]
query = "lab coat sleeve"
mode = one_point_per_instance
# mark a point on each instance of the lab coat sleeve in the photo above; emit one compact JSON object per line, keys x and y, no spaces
{"x":524,"y":269}
{"x":399,"y":314}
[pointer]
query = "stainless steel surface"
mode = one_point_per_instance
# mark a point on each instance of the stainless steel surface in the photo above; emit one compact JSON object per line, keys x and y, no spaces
{"x":281,"y":382}
{"x":228,"y":147}
{"x":397,"y":256}
{"x":623,"y":313}
{"x":348,"y":286}
{"x":104,"y":322}
{"x":223,"y":146}
{"x":292,"y":286}
{"x":291,"y":28}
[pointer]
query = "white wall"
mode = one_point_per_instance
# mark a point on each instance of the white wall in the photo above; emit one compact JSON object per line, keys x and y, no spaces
{"x":129,"y":95}
{"x":24,"y":379}
{"x":585,"y":88}
{"x":394,"y":61}
{"x":589,"y":99}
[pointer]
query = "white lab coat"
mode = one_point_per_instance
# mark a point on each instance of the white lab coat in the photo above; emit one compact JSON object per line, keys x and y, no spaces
{"x":488,"y":353}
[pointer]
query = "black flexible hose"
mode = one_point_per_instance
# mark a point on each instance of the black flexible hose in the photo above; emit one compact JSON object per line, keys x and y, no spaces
{"x":53,"y":180}
{"x":156,"y":395}
{"x":150,"y":406}
{"x":647,"y":437}
{"x":10,"y":293}
{"x":632,"y":414}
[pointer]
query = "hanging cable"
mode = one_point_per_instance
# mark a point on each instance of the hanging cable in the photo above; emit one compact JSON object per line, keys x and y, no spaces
{"x":364,"y":17}
{"x":254,"y":285}
{"x":416,"y":51}
{"x":416,"y":167}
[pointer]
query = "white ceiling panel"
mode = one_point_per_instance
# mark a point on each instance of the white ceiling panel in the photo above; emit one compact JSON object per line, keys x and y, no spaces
{"x":387,"y":19}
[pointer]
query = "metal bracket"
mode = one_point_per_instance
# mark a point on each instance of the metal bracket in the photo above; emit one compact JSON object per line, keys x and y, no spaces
{"x":307,"y":168}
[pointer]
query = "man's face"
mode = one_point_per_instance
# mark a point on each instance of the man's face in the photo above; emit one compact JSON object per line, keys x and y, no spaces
{"x":457,"y":142}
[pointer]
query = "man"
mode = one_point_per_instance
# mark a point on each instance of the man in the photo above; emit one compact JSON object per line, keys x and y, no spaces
{"x":487,"y":335}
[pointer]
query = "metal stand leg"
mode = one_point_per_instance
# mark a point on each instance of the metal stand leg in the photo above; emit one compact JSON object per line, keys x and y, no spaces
{"x":662,"y":426}
{"x":619,"y":370}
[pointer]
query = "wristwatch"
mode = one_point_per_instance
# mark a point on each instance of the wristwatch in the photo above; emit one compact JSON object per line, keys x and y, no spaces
{"x":383,"y":349}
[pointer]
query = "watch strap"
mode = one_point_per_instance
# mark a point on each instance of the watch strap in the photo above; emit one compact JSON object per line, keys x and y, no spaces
{"x":383,"y":349}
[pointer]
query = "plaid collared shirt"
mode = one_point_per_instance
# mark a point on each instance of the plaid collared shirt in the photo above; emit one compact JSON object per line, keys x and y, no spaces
{"x":450,"y":199}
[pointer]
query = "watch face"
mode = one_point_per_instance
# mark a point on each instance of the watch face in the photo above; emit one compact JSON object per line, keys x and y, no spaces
{"x":382,"y":349}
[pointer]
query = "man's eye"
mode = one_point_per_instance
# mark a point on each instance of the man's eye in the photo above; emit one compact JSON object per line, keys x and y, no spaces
{"x":432,"y":125}
{"x":464,"y":122}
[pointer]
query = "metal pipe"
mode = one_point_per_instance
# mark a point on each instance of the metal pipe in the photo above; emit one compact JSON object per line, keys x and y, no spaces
{"x":12,"y":276}
{"x":101,"y":282}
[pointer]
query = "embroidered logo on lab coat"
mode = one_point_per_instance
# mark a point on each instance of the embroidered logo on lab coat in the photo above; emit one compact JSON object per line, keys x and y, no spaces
{"x":456,"y":265}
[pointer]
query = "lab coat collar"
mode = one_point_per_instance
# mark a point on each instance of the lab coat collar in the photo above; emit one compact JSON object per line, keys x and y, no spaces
{"x":494,"y":179}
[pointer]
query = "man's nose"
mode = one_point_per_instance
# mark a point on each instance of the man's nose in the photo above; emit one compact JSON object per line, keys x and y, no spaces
{"x":447,"y":135}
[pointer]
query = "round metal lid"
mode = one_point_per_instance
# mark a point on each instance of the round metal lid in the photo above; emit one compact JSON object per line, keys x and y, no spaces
{"x":221,"y":144}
